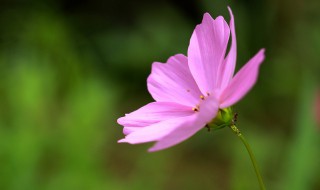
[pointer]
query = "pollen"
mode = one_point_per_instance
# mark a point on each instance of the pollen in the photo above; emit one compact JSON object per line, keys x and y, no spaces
{"x":202,"y":97}
{"x":196,"y":109}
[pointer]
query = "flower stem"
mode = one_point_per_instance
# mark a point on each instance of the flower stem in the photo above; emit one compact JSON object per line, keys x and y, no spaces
{"x":253,"y":160}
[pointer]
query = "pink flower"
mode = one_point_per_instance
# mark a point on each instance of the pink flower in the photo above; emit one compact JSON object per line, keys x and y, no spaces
{"x":189,"y":92}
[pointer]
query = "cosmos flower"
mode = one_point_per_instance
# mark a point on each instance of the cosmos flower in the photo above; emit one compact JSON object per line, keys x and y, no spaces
{"x":190,"y":92}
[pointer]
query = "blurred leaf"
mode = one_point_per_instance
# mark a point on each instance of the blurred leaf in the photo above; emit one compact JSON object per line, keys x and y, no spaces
{"x":301,"y":161}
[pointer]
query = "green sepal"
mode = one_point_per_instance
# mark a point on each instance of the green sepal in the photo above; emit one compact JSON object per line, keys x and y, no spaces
{"x":223,"y":119}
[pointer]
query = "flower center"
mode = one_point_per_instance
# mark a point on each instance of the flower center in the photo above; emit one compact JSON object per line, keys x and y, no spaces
{"x":225,"y":117}
{"x":202,"y":98}
{"x":197,"y":107}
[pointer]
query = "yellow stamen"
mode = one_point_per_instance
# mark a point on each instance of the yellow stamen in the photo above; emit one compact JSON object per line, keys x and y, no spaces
{"x":196,"y":109}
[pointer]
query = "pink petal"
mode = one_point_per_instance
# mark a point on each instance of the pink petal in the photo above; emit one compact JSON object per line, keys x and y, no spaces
{"x":128,"y":130}
{"x":173,"y":131}
{"x":206,"y":51}
{"x":173,"y":82}
{"x":156,"y":131}
{"x":153,"y":113}
{"x":242,"y":82}
{"x":189,"y":126}
{"x":226,"y":69}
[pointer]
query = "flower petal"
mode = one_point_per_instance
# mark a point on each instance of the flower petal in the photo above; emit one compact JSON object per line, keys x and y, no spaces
{"x":206,"y":51}
{"x":173,"y":131}
{"x":173,"y":82}
{"x":155,"y":132}
{"x":226,"y":69}
{"x":189,"y":126}
{"x":128,"y":130}
{"x":153,"y":113}
{"x":242,"y":82}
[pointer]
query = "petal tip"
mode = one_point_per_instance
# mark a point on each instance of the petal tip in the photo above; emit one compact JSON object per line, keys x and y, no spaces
{"x":155,"y":148}
{"x":120,"y":120}
{"x":261,"y":54}
{"x":206,"y":14}
{"x":122,"y":141}
{"x":230,"y":12}
{"x":151,"y":150}
{"x":207,"y":17}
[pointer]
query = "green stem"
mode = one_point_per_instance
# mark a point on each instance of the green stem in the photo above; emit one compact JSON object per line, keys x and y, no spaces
{"x":253,"y":160}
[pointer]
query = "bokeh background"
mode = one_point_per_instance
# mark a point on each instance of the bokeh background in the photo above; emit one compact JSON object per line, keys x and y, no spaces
{"x":70,"y":68}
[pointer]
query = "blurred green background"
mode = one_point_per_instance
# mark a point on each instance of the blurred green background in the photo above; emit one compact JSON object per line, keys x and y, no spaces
{"x":70,"y":68}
